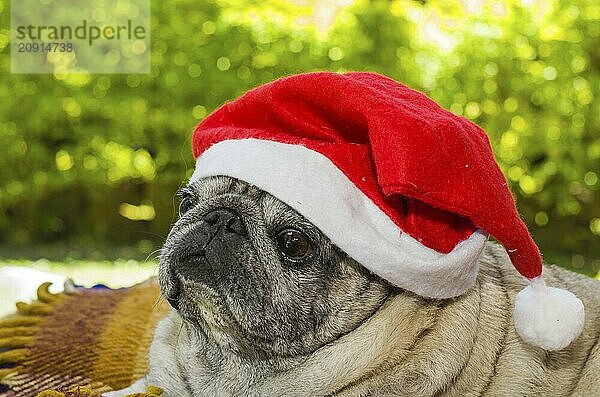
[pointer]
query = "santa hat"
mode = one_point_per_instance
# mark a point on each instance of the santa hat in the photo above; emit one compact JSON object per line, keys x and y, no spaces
{"x":403,"y":186}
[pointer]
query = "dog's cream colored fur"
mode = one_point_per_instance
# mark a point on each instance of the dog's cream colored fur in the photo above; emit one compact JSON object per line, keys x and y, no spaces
{"x":412,"y":346}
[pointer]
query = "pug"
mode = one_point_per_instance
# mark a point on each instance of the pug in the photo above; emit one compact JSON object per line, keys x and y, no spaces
{"x":264,"y":304}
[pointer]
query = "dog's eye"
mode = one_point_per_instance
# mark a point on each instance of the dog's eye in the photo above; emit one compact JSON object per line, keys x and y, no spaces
{"x":186,"y":204}
{"x":294,"y":244}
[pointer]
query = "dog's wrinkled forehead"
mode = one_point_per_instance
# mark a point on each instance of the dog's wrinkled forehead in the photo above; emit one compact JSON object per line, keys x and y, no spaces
{"x":246,"y":199}
{"x":219,"y":191}
{"x":213,"y":186}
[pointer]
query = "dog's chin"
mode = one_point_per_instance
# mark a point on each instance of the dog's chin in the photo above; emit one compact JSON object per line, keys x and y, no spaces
{"x":170,"y":287}
{"x":195,"y":302}
{"x":171,"y":282}
{"x":199,"y":315}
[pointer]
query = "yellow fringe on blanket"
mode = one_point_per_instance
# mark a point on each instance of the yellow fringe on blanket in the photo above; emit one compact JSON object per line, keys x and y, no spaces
{"x":76,"y":392}
{"x":151,"y":391}
{"x":13,"y":356}
{"x":21,"y":331}
{"x":19,"y":321}
{"x":95,"y":339}
{"x":35,"y":308}
{"x":16,"y":331}
{"x":44,"y":294}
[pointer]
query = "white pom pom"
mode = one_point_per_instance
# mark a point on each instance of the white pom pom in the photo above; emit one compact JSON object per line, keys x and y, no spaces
{"x":547,"y":317}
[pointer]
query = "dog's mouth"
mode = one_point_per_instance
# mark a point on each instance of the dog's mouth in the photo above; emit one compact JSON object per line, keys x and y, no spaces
{"x":177,"y":290}
{"x":173,"y":300}
{"x":174,"y":296}
{"x":172,"y":293}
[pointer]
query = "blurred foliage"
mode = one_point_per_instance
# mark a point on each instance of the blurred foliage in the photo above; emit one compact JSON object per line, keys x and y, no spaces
{"x":97,"y":158}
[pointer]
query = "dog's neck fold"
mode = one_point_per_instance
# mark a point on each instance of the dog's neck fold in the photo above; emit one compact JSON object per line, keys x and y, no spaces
{"x":385,"y":339}
{"x":405,"y":342}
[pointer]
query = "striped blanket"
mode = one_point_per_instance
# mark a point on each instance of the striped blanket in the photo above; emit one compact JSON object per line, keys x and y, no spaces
{"x":78,"y":343}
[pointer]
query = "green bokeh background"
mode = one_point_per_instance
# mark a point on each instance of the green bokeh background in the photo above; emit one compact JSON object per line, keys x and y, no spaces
{"x":89,"y":164}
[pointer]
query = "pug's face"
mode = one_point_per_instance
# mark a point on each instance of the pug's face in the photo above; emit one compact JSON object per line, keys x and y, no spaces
{"x":252,"y":275}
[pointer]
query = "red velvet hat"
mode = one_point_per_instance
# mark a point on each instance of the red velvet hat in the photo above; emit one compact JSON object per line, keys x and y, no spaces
{"x":405,"y":187}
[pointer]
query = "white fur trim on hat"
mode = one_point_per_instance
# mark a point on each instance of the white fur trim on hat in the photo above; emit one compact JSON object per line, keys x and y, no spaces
{"x":547,"y":317}
{"x":312,"y":185}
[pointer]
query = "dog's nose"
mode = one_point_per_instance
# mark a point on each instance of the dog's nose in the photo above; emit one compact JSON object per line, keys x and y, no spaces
{"x":227,"y":219}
